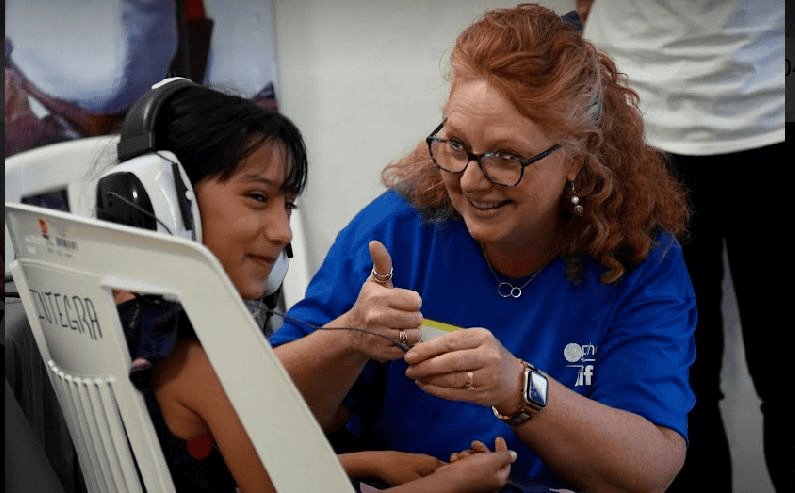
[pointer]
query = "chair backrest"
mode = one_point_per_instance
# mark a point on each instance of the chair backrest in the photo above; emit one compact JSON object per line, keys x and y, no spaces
{"x":56,"y":173}
{"x":65,"y":269}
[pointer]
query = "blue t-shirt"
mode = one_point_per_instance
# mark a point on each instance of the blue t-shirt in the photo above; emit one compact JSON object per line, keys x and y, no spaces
{"x":628,"y":344}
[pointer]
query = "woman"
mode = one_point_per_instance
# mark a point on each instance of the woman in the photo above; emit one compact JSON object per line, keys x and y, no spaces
{"x":535,"y":218}
{"x":246,"y":166}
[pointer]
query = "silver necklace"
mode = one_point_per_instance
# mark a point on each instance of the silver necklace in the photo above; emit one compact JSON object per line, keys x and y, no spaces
{"x":508,"y":290}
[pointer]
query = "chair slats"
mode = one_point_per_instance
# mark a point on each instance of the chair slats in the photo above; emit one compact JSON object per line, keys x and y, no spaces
{"x":61,"y":387}
{"x":103,"y":410}
{"x":89,"y":463}
{"x":82,"y":393}
{"x":110,"y":465}
{"x":117,"y":440}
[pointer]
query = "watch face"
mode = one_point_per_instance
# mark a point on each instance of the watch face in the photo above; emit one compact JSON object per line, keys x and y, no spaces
{"x":537,"y":389}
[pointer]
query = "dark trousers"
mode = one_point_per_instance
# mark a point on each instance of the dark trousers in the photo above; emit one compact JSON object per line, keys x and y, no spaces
{"x":744,"y":199}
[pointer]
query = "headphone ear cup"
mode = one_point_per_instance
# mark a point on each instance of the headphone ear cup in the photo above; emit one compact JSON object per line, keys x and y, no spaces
{"x":172,"y":203}
{"x":122,"y":199}
{"x":278,"y":273}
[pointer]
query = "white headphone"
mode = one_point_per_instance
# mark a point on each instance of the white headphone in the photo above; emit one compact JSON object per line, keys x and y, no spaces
{"x":149,"y":188}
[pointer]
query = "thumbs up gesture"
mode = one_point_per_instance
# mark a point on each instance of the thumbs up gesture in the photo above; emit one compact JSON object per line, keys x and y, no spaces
{"x":382,"y":264}
{"x":381,"y":308}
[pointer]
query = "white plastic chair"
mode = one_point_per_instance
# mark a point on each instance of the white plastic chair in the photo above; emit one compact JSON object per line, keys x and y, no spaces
{"x":65,"y":270}
{"x":63,"y":166}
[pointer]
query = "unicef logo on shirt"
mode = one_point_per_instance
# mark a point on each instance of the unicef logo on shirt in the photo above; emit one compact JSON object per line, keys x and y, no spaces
{"x":582,"y":357}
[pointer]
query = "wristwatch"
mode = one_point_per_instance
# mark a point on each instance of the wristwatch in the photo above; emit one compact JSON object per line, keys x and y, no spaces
{"x":534,"y":396}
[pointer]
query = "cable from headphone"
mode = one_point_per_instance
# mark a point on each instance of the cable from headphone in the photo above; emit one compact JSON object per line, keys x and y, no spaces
{"x":141,"y":209}
{"x":400,"y":344}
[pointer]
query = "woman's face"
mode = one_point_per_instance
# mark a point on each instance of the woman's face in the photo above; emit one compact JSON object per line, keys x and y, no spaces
{"x":522,"y":217}
{"x":245,"y":219}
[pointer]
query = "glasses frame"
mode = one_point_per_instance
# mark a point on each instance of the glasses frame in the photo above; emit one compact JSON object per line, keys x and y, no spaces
{"x":477,"y":158}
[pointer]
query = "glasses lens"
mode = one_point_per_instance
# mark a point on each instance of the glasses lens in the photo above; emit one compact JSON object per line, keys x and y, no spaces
{"x":449,"y":156}
{"x":502,"y":169}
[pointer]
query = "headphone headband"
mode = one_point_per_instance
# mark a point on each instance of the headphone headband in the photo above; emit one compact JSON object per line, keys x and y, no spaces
{"x":138,"y":129}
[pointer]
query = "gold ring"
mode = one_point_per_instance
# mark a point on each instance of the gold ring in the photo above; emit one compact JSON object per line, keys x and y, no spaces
{"x":403,"y":337}
{"x":381,"y":278}
{"x":470,"y":381}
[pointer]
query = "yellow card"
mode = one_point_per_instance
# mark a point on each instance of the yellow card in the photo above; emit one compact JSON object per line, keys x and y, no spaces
{"x":431,"y":329}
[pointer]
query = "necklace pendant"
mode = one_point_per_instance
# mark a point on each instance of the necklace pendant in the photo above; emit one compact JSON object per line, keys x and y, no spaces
{"x":508,"y":290}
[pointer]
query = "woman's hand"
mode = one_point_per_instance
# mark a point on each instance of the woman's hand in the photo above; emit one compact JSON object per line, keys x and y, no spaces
{"x":381,"y":308}
{"x":468,"y":365}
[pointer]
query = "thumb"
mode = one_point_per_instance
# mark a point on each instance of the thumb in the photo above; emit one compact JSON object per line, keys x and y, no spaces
{"x":382,"y":264}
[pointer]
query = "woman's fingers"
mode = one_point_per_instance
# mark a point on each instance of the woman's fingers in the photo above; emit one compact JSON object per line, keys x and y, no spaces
{"x":382,"y":264}
{"x":387,"y":319}
{"x":468,"y":365}
{"x":454,"y":341}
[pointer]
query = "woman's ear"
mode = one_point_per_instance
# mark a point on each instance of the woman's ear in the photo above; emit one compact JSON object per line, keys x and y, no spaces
{"x":574,"y":167}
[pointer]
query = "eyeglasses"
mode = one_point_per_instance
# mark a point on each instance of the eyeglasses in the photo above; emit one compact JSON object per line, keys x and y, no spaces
{"x":499,"y":168}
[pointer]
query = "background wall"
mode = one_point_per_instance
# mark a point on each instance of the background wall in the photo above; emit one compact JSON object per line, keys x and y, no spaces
{"x":364,"y":80}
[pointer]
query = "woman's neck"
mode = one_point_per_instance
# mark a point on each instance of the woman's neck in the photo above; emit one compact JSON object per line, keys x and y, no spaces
{"x":519,"y":261}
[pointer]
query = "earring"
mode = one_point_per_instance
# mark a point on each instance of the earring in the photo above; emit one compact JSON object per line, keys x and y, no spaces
{"x":575,"y":200}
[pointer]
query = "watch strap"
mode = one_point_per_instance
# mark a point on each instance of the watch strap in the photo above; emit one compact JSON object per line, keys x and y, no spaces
{"x":514,"y":420}
{"x":529,"y":409}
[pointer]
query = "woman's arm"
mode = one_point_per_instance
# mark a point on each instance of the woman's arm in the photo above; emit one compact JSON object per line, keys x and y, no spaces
{"x":643,"y":371}
{"x":588,"y":444}
{"x":325,"y":364}
{"x":600,"y":448}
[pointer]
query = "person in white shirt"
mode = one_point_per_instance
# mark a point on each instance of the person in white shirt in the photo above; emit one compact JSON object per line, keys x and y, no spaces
{"x":711,"y":86}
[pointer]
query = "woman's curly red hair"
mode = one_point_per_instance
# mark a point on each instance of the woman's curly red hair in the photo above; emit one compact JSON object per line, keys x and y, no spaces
{"x":574,"y":91}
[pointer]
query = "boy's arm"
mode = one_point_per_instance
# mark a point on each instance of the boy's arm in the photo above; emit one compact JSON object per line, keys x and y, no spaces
{"x":389,"y":466}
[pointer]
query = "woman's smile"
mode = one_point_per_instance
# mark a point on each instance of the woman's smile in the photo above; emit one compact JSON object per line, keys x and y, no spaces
{"x":490,"y":205}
